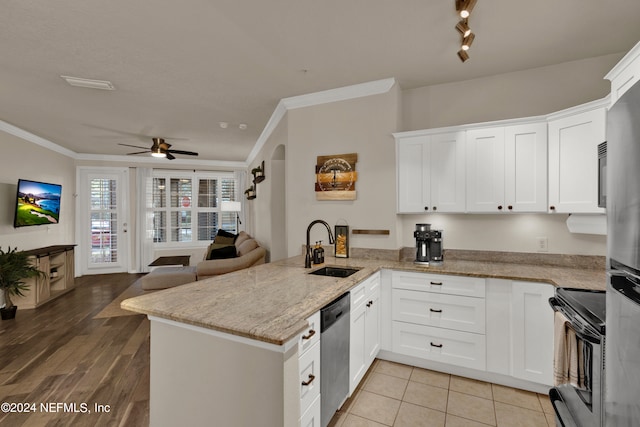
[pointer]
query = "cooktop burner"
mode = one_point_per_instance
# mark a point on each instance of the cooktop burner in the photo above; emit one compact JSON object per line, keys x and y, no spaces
{"x":589,"y":304}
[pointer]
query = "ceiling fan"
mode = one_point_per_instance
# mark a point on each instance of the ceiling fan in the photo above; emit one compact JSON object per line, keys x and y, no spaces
{"x":160,"y":148}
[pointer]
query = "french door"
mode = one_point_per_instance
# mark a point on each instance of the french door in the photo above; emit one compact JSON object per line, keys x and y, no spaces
{"x":103,"y":220}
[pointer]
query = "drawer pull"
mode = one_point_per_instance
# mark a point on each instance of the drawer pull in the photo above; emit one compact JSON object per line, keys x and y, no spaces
{"x":311,"y":378}
{"x":436,"y":283}
{"x":311,"y":333}
{"x":436,"y":345}
{"x":370,"y":303}
{"x":433,"y":310}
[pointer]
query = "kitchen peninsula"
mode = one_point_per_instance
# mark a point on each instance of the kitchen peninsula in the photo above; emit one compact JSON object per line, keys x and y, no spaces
{"x":227,"y":349}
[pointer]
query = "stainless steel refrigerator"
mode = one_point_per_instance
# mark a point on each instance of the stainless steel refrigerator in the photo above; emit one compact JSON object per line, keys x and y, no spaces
{"x":622,"y":344}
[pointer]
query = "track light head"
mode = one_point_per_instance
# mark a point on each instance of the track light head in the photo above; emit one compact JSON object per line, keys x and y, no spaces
{"x":463,"y":28}
{"x":463,"y":55}
{"x":464,"y":7}
{"x":467,"y":41}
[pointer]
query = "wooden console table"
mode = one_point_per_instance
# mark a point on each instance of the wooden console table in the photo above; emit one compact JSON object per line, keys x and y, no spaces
{"x":57,"y":262}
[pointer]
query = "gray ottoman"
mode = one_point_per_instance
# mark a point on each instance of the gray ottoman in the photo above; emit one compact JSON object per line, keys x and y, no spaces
{"x":168,"y":277}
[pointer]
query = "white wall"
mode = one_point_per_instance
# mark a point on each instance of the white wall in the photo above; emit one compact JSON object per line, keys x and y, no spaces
{"x":363,"y":126}
{"x":533,"y":92}
{"x":508,"y":232}
{"x":22,"y":159}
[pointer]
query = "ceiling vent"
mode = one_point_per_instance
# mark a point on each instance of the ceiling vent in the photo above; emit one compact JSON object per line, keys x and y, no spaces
{"x":89,"y":83}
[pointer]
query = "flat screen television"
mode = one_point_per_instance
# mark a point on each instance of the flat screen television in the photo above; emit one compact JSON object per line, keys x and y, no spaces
{"x":37,"y":203}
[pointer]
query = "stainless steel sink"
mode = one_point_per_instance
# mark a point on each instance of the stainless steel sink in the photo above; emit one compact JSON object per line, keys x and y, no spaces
{"x":335,"y":271}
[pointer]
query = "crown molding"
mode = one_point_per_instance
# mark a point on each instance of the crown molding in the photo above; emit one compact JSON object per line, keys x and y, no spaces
{"x":28,"y":136}
{"x":323,"y":97}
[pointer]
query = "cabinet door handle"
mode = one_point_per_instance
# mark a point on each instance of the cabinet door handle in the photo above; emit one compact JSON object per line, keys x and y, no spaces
{"x":435,"y":208}
{"x":433,"y":310}
{"x":553,"y":208}
{"x":426,"y":208}
{"x":311,"y":378}
{"x":499,"y":207}
{"x":370,"y":303}
{"x":436,"y":345}
{"x":436,"y":283}
{"x":510,"y":207}
{"x":311,"y":333}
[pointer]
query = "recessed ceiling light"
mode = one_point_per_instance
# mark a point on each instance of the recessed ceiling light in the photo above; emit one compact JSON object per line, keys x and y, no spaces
{"x":224,"y":125}
{"x":242,"y":126}
{"x":89,"y":83}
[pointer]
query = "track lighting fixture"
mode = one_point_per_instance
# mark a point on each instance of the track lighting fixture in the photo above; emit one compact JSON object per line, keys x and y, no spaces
{"x":464,"y":8}
{"x":463,"y":27}
{"x":463,"y":55}
{"x":466,"y":42}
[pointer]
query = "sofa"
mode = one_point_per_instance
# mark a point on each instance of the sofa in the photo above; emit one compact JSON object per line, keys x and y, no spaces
{"x":235,"y":253}
{"x":228,"y":252}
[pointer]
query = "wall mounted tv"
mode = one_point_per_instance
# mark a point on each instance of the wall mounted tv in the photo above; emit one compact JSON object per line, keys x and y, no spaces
{"x":37,"y":203}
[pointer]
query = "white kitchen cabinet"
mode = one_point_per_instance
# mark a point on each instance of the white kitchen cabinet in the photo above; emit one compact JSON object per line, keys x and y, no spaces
{"x":309,"y":372}
{"x":507,"y":168}
{"x":532,"y":332}
{"x":625,"y":74}
{"x":485,"y":169}
{"x":364,"y":341}
{"x":430,"y":171}
{"x":439,"y":318}
{"x":573,"y":160}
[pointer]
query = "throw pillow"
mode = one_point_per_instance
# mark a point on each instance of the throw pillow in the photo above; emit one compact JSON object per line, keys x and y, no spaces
{"x":223,"y":253}
{"x":225,"y":237}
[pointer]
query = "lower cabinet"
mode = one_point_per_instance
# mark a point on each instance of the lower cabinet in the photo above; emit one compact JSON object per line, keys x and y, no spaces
{"x":532,"y":332}
{"x":494,"y":329}
{"x":439,"y":318}
{"x":520,"y":330}
{"x":364,"y":329}
{"x":309,"y":369}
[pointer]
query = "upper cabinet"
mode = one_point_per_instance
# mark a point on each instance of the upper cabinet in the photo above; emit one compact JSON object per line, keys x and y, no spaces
{"x":507,"y":168}
{"x":573,"y":160}
{"x":431,"y":171}
{"x":625,"y":74}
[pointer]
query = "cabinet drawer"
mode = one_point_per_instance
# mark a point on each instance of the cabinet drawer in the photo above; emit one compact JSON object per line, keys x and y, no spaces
{"x":440,"y":310}
{"x":309,"y":365}
{"x":441,"y":345}
{"x":311,"y":418}
{"x":311,"y":336}
{"x":440,"y":283}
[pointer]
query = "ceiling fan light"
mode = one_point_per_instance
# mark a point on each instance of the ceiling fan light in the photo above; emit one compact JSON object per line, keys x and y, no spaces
{"x":158,"y":154}
{"x":463,"y":28}
{"x":463,"y":55}
{"x":467,"y":41}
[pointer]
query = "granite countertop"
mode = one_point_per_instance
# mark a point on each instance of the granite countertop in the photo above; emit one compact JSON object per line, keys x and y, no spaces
{"x":271,"y":302}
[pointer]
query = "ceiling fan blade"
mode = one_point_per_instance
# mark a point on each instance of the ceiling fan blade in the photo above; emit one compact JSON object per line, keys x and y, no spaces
{"x":134,"y":146}
{"x":139,"y":152}
{"x":170,"y":157}
{"x":186,"y":153}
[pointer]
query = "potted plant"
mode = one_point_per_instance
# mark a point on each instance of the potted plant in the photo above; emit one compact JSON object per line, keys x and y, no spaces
{"x":15,"y":266}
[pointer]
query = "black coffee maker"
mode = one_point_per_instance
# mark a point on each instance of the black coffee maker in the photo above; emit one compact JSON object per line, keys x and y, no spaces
{"x":429,"y":249}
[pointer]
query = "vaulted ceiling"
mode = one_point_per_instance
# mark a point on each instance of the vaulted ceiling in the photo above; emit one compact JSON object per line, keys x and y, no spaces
{"x":182,"y":67}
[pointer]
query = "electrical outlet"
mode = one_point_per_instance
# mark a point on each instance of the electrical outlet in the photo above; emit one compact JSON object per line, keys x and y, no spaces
{"x":542,"y":244}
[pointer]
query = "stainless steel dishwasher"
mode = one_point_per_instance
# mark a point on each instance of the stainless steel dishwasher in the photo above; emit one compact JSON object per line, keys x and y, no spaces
{"x":334,"y":357}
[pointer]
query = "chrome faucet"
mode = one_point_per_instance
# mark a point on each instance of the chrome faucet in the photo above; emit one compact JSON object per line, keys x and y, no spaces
{"x":307,"y":258}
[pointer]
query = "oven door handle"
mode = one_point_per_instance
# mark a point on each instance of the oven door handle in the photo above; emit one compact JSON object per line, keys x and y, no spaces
{"x":582,"y":330}
{"x":563,"y":416}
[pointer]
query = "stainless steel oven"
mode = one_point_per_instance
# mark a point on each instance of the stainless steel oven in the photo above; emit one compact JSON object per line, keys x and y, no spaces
{"x":578,"y":395}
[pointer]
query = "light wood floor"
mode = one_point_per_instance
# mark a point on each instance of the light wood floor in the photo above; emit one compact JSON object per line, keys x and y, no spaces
{"x":58,"y":354}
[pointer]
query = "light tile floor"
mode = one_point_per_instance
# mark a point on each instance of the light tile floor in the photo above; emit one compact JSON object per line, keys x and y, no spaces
{"x":392,"y":394}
